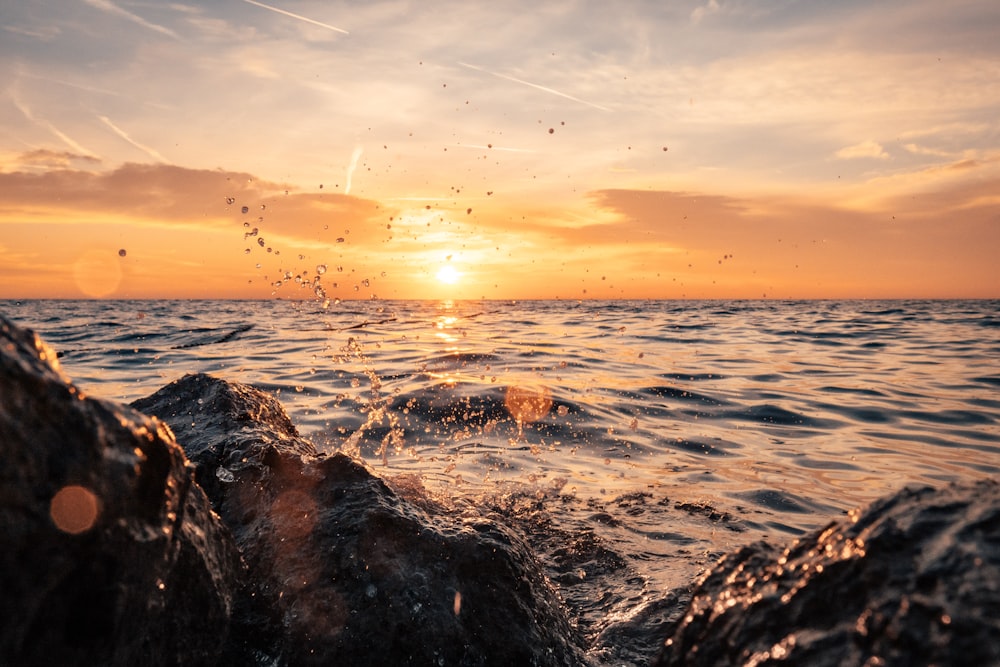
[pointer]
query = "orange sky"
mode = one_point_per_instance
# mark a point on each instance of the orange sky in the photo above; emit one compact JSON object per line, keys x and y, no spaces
{"x":701,"y":150}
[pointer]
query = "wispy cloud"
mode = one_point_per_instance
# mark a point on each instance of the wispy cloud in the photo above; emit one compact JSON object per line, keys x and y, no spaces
{"x":111,"y":8}
{"x":151,"y":152}
{"x":533,"y":85}
{"x":917,"y":149}
{"x":866,"y":149}
{"x":48,"y":159}
{"x":711,"y":7}
{"x":297,"y":16}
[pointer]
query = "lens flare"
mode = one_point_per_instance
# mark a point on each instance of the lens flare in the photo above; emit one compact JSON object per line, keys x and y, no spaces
{"x":74,"y":509}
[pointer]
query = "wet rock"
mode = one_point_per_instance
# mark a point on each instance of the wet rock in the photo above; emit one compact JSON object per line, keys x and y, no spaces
{"x":345,"y":571}
{"x":914,"y":579}
{"x":109,"y":552}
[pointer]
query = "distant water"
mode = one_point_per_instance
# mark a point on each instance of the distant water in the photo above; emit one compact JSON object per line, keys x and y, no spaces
{"x":670,"y":430}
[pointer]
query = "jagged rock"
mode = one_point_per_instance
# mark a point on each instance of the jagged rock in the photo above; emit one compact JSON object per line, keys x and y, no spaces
{"x":356,"y":574}
{"x":914,"y":580}
{"x":109,"y":552}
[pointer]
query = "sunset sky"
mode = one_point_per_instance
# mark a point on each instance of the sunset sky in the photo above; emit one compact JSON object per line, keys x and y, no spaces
{"x":570,"y":149}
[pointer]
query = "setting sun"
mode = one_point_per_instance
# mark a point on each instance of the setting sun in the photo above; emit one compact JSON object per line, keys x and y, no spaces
{"x":448,"y":275}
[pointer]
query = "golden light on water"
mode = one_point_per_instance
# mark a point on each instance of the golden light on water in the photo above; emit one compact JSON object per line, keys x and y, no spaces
{"x":74,"y":509}
{"x":527,"y":404}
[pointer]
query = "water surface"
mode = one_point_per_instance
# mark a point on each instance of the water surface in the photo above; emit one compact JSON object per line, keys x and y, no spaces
{"x":669,"y":431}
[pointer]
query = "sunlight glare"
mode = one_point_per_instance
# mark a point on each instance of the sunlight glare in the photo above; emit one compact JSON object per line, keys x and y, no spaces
{"x":448,"y":275}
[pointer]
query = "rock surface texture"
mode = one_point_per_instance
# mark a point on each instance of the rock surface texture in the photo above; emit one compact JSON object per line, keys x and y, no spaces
{"x":109,"y":551}
{"x":117,"y":548}
{"x":913,"y":580}
{"x":344,"y":571}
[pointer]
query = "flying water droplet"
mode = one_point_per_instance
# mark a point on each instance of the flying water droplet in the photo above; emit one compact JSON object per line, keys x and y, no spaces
{"x":225,"y":475}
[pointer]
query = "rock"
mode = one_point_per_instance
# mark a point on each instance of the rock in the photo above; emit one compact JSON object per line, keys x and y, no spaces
{"x":915,"y":579}
{"x":345,"y":571}
{"x":109,"y":552}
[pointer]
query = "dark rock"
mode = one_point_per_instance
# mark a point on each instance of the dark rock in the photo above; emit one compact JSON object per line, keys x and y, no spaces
{"x":109,"y":552}
{"x":915,"y":579}
{"x":357,"y":574}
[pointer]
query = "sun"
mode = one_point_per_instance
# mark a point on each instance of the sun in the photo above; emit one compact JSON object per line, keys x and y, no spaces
{"x":448,"y":275}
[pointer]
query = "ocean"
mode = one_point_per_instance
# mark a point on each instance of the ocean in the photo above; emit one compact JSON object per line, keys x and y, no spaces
{"x":669,"y":432}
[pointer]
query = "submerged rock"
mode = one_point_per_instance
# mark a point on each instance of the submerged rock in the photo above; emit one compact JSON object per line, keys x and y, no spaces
{"x":109,"y":552}
{"x":914,"y":579}
{"x":344,"y":570}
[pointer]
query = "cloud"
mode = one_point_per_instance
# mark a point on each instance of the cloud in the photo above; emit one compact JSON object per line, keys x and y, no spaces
{"x":866,"y":149}
{"x":700,"y":12}
{"x":43,"y":158}
{"x":142,"y":191}
{"x":917,"y":149}
{"x":813,"y":249}
{"x":159,"y":194}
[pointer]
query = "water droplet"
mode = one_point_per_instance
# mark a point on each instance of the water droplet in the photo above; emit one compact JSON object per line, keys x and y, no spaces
{"x":224,"y":474}
{"x":260,"y":242}
{"x":321,"y":269}
{"x":230,"y":200}
{"x":552,"y":130}
{"x":245,"y":209}
{"x":340,"y":239}
{"x":122,"y":253}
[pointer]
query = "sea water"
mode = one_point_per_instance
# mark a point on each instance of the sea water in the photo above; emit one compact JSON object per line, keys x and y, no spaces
{"x":668,"y":431}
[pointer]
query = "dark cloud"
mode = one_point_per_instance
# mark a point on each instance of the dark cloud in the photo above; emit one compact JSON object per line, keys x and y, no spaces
{"x":171,"y":194}
{"x":49,"y":159}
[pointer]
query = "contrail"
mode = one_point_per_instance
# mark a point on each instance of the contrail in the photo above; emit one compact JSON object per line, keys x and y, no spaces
{"x":355,"y":156}
{"x":533,"y":85}
{"x":110,"y":7}
{"x":297,"y":16}
{"x":51,"y":128}
{"x":121,"y":133}
{"x":491,"y":147}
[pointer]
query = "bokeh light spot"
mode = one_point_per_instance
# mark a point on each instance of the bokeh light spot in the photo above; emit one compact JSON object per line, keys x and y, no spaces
{"x":74,"y":509}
